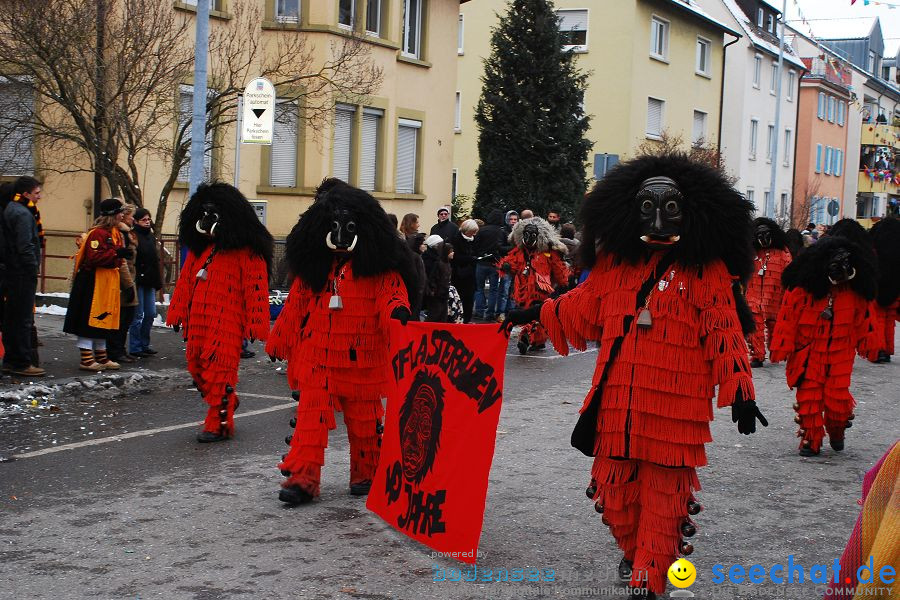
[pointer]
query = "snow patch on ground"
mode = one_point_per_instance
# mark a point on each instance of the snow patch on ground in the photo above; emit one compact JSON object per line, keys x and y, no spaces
{"x":50,"y":309}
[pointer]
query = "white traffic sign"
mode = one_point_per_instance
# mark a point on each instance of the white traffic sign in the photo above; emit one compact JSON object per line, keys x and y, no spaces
{"x":258,"y":119}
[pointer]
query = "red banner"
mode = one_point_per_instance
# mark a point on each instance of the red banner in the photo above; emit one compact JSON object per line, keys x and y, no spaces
{"x":439,"y":433}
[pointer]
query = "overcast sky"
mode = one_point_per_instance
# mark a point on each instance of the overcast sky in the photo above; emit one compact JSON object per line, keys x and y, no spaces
{"x":841,"y":9}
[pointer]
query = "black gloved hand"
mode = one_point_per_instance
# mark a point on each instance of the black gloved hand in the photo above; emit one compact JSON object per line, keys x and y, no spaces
{"x":506,"y":267}
{"x":745,"y":413}
{"x":128,"y":295}
{"x":520,"y":316}
{"x":402,"y":314}
{"x":124,"y":253}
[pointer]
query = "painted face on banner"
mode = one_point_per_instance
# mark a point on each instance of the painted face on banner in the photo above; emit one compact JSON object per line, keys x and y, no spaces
{"x":420,"y":425}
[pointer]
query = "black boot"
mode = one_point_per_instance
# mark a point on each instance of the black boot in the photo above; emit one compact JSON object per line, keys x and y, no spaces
{"x":756,"y":363}
{"x":208,"y":437}
{"x":523,"y":343}
{"x":360,"y":489}
{"x":625,"y":567}
{"x":836,"y":445}
{"x":294,"y":495}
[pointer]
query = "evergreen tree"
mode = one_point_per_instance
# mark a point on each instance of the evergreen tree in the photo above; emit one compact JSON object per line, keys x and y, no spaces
{"x":530,"y":116}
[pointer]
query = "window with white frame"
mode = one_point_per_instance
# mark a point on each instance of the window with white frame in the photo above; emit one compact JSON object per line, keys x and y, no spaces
{"x":792,"y":78}
{"x":751,"y":196}
{"x":698,"y":133}
{"x":185,"y":114}
{"x":287,"y":11}
{"x":573,"y":26}
{"x":767,"y":197}
{"x":283,"y":155}
{"x":213,"y":4}
{"x":16,"y":136}
{"x":782,"y":205}
{"x":757,"y":70}
{"x":655,"y":108}
{"x":828,"y":158}
{"x":369,"y":137}
{"x":870,"y":63}
{"x":346,"y":13}
{"x":818,"y":158}
{"x":659,"y":38}
{"x":754,"y":136}
{"x":842,"y":107}
{"x":412,"y":28}
{"x":454,"y":183}
{"x":820,"y":111}
{"x":774,"y":79}
{"x":770,"y":23}
{"x":407,"y":155}
{"x":788,"y":150}
{"x":759,"y":17}
{"x":373,"y":17}
{"x":770,"y":142}
{"x":703,"y":55}
{"x":831,"y":109}
{"x":457,"y":114}
{"x":460,"y":34}
{"x":344,"y":115}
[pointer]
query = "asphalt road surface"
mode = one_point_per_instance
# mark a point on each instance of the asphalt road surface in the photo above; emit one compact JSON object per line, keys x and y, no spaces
{"x":108,"y":495}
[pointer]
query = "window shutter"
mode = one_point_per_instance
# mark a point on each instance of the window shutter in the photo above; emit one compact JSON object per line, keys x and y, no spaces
{"x":407,"y":137}
{"x":283,"y":163}
{"x":343,"y":135}
{"x":818,"y":158}
{"x":828,"y":159}
{"x":573,"y":20}
{"x":368,"y":159}
{"x":16,"y":138}
{"x":699,"y":126}
{"x":654,"y":116}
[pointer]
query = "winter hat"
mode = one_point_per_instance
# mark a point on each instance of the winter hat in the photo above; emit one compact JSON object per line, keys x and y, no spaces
{"x":111,"y":206}
{"x":443,"y":208}
{"x":140,"y":213}
{"x":433,"y":240}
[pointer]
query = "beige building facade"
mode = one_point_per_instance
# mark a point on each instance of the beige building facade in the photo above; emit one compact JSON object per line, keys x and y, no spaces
{"x":397,"y":143}
{"x":656,"y":69}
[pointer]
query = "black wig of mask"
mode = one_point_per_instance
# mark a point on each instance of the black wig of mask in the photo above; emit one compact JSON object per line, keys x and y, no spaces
{"x":885,"y":235}
{"x":378,"y":248}
{"x":717,"y":218}
{"x":794,"y":241}
{"x":810,"y":269}
{"x":238,"y":226}
{"x":853,"y":231}
{"x":779,"y":238}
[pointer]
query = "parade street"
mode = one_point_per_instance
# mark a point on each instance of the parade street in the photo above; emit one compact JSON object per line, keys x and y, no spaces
{"x":105,"y":493}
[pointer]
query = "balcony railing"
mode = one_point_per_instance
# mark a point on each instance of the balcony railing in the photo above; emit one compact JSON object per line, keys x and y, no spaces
{"x":874,"y":134}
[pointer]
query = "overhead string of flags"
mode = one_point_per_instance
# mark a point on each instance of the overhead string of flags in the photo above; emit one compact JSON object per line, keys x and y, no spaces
{"x":877,"y":3}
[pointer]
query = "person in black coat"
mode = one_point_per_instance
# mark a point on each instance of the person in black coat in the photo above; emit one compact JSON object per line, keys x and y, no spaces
{"x":444,"y":227}
{"x":416,"y":242}
{"x":464,"y":266}
{"x":148,"y":281}
{"x":488,"y":249}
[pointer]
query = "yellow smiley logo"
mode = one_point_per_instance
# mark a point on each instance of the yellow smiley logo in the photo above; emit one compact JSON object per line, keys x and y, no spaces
{"x":95,"y":244}
{"x":682,"y":573}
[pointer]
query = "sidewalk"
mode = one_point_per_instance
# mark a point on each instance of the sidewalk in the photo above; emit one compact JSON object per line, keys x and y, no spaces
{"x":60,"y":358}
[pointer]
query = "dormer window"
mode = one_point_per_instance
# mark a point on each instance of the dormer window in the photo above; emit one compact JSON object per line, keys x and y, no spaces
{"x":770,"y":24}
{"x":759,"y":17}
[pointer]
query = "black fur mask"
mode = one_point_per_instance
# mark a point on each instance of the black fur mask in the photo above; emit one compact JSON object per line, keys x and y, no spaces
{"x":885,"y":235}
{"x":767,"y":229}
{"x":660,"y":201}
{"x":716,"y":219}
{"x":219,"y":214}
{"x":833,"y":259}
{"x":377,"y":248}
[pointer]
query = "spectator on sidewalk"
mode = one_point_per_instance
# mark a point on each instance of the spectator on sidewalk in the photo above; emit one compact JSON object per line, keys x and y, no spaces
{"x":416,"y":243}
{"x":488,"y":249}
{"x":95,"y":303}
{"x":464,"y":266}
{"x":444,"y":227}
{"x":116,"y":340}
{"x":505,"y":302}
{"x":23,"y":238}
{"x":149,"y":280}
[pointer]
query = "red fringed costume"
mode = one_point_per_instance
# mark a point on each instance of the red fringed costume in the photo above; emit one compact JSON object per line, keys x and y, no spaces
{"x":550,"y":268}
{"x":217,"y":313}
{"x":883,"y":321}
{"x":655,"y":407}
{"x":338,"y":360}
{"x":764,"y":293}
{"x":820,"y":328}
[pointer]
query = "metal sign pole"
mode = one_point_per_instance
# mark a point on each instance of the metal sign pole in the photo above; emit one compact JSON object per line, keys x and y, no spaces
{"x":237,"y":143}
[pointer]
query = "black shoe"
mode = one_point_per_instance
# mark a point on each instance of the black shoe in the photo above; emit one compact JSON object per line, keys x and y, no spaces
{"x":247,"y":353}
{"x":808,"y":452}
{"x":625,"y":568}
{"x":360,"y":489}
{"x":294,"y":495}
{"x":523,"y":344}
{"x":208,"y":437}
{"x":756,"y":363}
{"x":150,"y":351}
{"x":140,"y":354}
{"x":537,"y":346}
{"x":836,"y":445}
{"x":883,"y":357}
